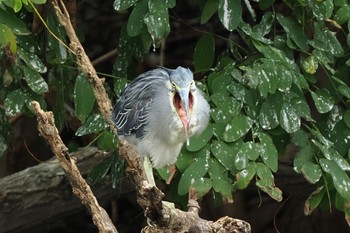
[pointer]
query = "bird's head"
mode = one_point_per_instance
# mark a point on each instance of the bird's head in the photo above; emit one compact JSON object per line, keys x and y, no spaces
{"x":182,"y":89}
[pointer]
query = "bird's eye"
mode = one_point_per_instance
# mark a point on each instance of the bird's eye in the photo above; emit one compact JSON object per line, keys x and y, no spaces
{"x":173,"y":87}
{"x":193,"y":86}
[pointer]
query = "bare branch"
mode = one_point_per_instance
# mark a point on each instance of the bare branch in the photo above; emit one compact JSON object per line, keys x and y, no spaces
{"x":48,"y":130}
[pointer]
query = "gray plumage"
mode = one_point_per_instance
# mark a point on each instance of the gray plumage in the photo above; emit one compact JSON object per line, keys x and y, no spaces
{"x":158,"y":111}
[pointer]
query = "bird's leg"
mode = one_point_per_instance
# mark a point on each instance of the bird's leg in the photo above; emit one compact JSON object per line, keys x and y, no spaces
{"x":148,"y":168}
{"x":172,"y":171}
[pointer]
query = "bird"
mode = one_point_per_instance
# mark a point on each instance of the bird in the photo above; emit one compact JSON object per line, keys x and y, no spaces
{"x":159,"y":111}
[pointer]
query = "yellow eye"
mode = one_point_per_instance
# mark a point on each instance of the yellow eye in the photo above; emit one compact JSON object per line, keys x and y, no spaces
{"x":173,"y":87}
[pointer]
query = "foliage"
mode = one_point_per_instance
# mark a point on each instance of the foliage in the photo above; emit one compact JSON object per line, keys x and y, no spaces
{"x":282,"y":79}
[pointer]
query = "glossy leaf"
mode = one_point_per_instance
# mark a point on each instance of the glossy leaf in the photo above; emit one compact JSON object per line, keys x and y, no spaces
{"x":333,"y":155}
{"x":107,"y":141}
{"x":340,"y":179}
{"x":223,"y":153}
{"x":310,"y":65}
{"x":304,"y":155}
{"x":209,"y":9}
{"x":32,"y":60}
{"x":250,"y":149}
{"x":157,"y":20}
{"x":100,"y":170}
{"x":203,"y":56}
{"x":135,"y":22}
{"x":314,"y":200}
{"x":326,"y":41}
{"x":202,"y":186}
{"x":35,"y":81}
{"x":197,"y":142}
{"x":94,"y":123}
{"x":123,"y":4}
{"x":230,"y":13}
{"x":17,"y":26}
{"x":237,"y":128}
{"x":323,"y":100}
{"x":342,"y":14}
{"x":84,"y":98}
{"x":294,"y":31}
{"x":268,"y":117}
{"x":288,"y":118}
{"x":347,"y":118}
{"x":312,"y":172}
{"x":268,"y":151}
{"x":193,"y":173}
{"x":244,"y":177}
{"x":14,"y":102}
{"x":322,"y":9}
{"x":266,"y":183}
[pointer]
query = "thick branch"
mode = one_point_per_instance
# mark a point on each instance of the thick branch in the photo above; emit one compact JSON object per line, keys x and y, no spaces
{"x":24,"y":195}
{"x":48,"y":130}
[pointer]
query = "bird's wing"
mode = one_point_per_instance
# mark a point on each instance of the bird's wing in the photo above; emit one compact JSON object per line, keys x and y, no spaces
{"x":131,"y":111}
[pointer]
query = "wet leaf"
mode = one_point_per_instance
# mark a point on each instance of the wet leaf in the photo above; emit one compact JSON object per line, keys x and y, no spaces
{"x":266,"y":182}
{"x":223,"y":185}
{"x":94,"y":123}
{"x":293,"y":31}
{"x":15,"y":24}
{"x":322,"y":9}
{"x":314,"y":200}
{"x":333,"y":155}
{"x":244,"y":177}
{"x":135,"y":21}
{"x":193,"y":173}
{"x":323,"y":100}
{"x":326,"y":41}
{"x":197,"y":142}
{"x":14,"y":102}
{"x":340,"y":179}
{"x":157,"y":20}
{"x":268,"y":117}
{"x":230,"y":12}
{"x":84,"y":98}
{"x":250,"y":149}
{"x":107,"y":141}
{"x":344,"y":90}
{"x":268,"y":151}
{"x":203,"y":56}
{"x":223,"y":153}
{"x":288,"y":118}
{"x":312,"y":172}
{"x":35,"y":81}
{"x":342,"y":14}
{"x":119,"y":85}
{"x":241,"y":158}
{"x":32,"y":60}
{"x":237,"y":128}
{"x":202,"y":186}
{"x":123,"y":4}
{"x":209,"y":9}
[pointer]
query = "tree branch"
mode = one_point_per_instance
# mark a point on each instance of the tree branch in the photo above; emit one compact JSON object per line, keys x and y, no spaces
{"x":48,"y":130}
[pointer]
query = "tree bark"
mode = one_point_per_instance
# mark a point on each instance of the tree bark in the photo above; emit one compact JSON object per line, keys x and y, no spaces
{"x":40,"y":193}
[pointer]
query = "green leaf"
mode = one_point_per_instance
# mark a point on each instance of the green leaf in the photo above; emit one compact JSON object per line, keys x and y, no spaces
{"x":135,"y":21}
{"x":209,"y":9}
{"x":84,"y":98}
{"x":223,"y":186}
{"x":340,"y":179}
{"x":237,"y":128}
{"x":100,"y":170}
{"x":202,"y":186}
{"x":7,"y":38}
{"x":119,"y":85}
{"x":123,"y":4}
{"x":268,"y":117}
{"x":344,"y":90}
{"x":347,"y":118}
{"x":342,"y":15}
{"x":241,"y":158}
{"x":333,"y":155}
{"x":38,"y":1}
{"x":35,"y":81}
{"x":94,"y":123}
{"x":304,"y":155}
{"x":310,"y":65}
{"x":203,"y":56}
{"x":244,"y":177}
{"x":227,"y":107}
{"x":107,"y":141}
{"x":314,"y":200}
{"x":294,"y":31}
{"x":230,"y":13}
{"x":323,"y":100}
{"x":157,"y":20}
{"x":250,"y":149}
{"x":288,"y":118}
{"x":266,"y":182}
{"x":223,"y":153}
{"x":321,"y":9}
{"x":326,"y":41}
{"x":14,"y":102}
{"x":312,"y":172}
{"x":15,"y":24}
{"x":199,"y":141}
{"x":32,"y":60}
{"x":193,"y":173}
{"x":268,"y":151}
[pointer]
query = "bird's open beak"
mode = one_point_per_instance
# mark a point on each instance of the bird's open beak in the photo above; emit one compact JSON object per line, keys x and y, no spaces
{"x":184,"y":95}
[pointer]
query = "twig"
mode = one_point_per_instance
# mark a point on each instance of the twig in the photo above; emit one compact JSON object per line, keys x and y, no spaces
{"x":48,"y":130}
{"x":104,"y":57}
